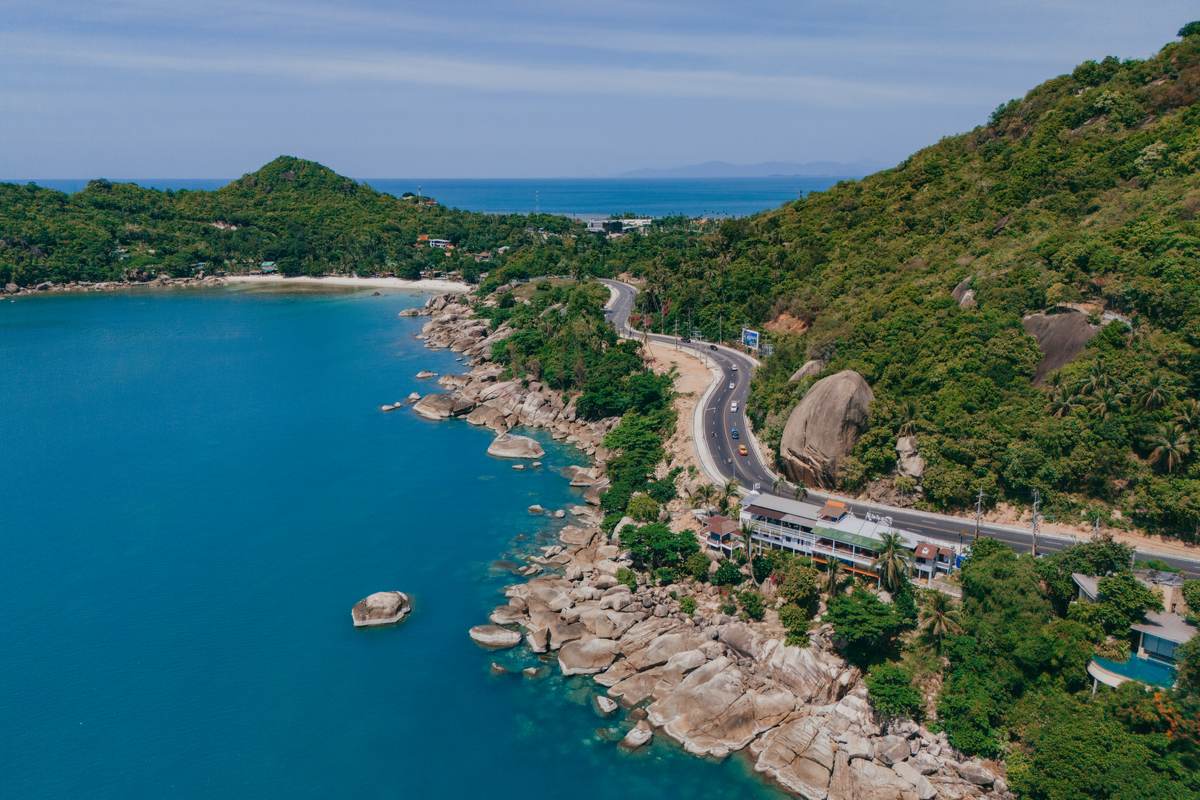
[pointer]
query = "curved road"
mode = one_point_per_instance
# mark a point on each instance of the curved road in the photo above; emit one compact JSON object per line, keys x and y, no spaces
{"x":752,"y":473}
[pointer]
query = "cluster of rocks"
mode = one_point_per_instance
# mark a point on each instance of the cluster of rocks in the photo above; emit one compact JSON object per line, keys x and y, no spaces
{"x":141,"y":279}
{"x":482,"y":398}
{"x":717,"y":685}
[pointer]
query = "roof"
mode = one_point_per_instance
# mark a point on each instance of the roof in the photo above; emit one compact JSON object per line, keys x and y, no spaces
{"x":1089,"y":584}
{"x":833,"y":509}
{"x":722,"y":525}
{"x":848,"y":538}
{"x":1164,"y":625}
{"x":925,"y":550}
{"x":1154,"y":577}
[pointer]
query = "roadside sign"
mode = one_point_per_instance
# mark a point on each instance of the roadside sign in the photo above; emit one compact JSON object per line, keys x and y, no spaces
{"x":750,"y":338}
{"x":768,"y":349}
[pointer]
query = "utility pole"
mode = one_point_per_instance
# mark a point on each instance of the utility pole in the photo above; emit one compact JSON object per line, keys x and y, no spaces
{"x":1037,"y":518}
{"x":978,"y":512}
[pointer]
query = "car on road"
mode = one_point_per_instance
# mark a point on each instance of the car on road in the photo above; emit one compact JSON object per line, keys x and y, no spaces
{"x":734,"y":368}
{"x":712,"y":347}
{"x":733,"y":407}
{"x":742,"y":451}
{"x":733,"y":433}
{"x":732,"y":385}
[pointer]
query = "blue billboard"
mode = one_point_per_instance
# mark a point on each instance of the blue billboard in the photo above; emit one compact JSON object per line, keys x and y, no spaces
{"x":750,"y":338}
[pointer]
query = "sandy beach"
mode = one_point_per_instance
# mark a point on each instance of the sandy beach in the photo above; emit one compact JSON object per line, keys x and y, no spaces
{"x":423,"y":285}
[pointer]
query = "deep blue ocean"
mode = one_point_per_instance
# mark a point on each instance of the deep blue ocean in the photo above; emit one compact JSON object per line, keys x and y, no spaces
{"x":197,"y":486}
{"x":584,"y":197}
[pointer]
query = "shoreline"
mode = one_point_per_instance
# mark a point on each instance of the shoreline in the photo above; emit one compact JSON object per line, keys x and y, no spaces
{"x":419,"y":285}
{"x":713,"y":685}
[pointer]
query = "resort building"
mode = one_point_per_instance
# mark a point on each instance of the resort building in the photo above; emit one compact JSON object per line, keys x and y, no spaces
{"x":619,"y":225}
{"x":1159,"y":634}
{"x":723,"y":535}
{"x":833,"y":531}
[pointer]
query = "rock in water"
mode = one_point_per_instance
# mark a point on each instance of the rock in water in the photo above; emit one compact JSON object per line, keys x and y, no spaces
{"x":604,"y":705}
{"x":495,"y":637}
{"x":508,"y":445}
{"x":441,"y":406}
{"x":824,"y":427}
{"x":638,"y":735}
{"x":381,"y":608}
{"x":423,"y":374}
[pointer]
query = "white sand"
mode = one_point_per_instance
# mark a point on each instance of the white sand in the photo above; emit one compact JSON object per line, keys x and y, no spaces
{"x":423,"y":285}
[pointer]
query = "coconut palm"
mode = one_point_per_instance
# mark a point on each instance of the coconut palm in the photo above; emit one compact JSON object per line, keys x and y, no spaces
{"x":939,"y":619}
{"x":728,"y":492}
{"x":1188,"y":415}
{"x":1170,"y":444}
{"x":908,"y":413}
{"x":1097,"y":379}
{"x":799,"y":492}
{"x":890,"y":562}
{"x":1062,"y":402}
{"x":748,"y":541}
{"x":1156,"y":393}
{"x":1106,"y":403}
{"x":703,"y":495}
{"x":833,"y":576}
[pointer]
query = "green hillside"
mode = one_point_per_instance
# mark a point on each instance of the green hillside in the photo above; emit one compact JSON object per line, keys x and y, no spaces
{"x":1086,"y":191}
{"x":305,"y":217}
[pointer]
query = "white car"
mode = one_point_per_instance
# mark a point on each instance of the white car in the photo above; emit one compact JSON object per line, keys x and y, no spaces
{"x":732,"y":384}
{"x":734,"y":368}
{"x":733,"y":407}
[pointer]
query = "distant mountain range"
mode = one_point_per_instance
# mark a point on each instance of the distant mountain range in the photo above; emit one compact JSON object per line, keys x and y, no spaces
{"x":763,"y":169}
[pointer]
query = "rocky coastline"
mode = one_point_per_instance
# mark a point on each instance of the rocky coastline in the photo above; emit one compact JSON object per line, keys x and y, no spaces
{"x":710,"y":682}
{"x":135,"y":281}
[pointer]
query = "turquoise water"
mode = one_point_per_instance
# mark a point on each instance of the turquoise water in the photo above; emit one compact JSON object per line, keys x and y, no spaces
{"x":1153,"y":673}
{"x":658,"y":197}
{"x":196,"y":489}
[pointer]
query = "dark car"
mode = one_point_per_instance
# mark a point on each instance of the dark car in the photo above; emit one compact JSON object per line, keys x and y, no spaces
{"x":712,"y":347}
{"x":733,"y":433}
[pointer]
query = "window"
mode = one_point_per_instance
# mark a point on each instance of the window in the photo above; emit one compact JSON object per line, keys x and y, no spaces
{"x":1159,"y":649}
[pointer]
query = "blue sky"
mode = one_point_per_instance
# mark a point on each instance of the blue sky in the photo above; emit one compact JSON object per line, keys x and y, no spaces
{"x":215,"y":88}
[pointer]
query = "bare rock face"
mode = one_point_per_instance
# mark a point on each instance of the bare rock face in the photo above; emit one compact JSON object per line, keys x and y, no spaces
{"x":508,"y":445}
{"x":908,"y":461}
{"x":1060,"y":336}
{"x":586,"y":657}
{"x":811,"y":367}
{"x":824,"y":427}
{"x":380,"y":608}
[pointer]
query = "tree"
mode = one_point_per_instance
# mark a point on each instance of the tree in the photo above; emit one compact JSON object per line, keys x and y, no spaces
{"x":727,"y":574}
{"x":1191,"y":596}
{"x":865,"y":625}
{"x":892,"y":694}
{"x":703,"y":495}
{"x":939,"y":619}
{"x":748,"y":543}
{"x":728,"y":493}
{"x":795,"y":621}
{"x":1123,"y":600}
{"x":655,"y":545}
{"x":832,"y":583}
{"x":800,"y":585}
{"x":890,"y":563}
{"x":642,"y":508}
{"x":1191,"y":29}
{"x":1170,"y":444}
{"x":1188,"y":664}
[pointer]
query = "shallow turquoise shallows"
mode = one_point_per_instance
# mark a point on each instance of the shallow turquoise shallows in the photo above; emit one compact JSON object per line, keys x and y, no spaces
{"x":194,"y":490}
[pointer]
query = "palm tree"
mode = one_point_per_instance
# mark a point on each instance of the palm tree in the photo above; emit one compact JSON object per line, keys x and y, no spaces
{"x":748,"y":540}
{"x":1171,"y":445}
{"x":1096,"y":380}
{"x":1062,"y":402}
{"x":1106,"y":403}
{"x":908,"y":418}
{"x":833,"y":576}
{"x":703,"y":495}
{"x":890,"y":562}
{"x":1156,"y":393}
{"x":1188,"y":415}
{"x":728,"y":492}
{"x":799,"y":492}
{"x":939,"y":619}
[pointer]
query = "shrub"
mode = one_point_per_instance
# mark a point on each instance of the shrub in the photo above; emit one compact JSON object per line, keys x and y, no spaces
{"x":801,"y":585}
{"x":865,"y":624}
{"x":665,"y":575}
{"x":892,"y":693}
{"x":727,"y":574}
{"x":728,"y":608}
{"x":697,"y":565}
{"x":628,"y":577}
{"x":642,"y":508}
{"x":752,"y":605}
{"x":1123,"y":600}
{"x":655,"y":545}
{"x":688,"y":605}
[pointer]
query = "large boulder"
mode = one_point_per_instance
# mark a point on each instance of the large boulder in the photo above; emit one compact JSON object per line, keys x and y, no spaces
{"x":380,"y":608}
{"x":494,"y":637}
{"x":824,"y":427}
{"x":810,"y":368}
{"x":440,"y":406}
{"x":587,"y":657}
{"x":509,"y":445}
{"x":1061,"y":336}
{"x":908,"y":461}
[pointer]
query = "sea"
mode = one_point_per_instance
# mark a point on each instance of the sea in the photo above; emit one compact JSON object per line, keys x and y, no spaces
{"x":576,"y":197}
{"x":195,"y":488}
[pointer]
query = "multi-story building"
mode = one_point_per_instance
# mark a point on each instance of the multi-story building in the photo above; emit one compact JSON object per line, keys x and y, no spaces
{"x":833,"y":531}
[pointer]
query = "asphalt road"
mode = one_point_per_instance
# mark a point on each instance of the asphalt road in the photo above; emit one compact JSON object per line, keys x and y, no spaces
{"x":752,"y":473}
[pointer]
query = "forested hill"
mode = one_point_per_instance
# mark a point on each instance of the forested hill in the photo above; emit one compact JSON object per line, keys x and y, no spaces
{"x":299,"y":214}
{"x":1085,"y":193}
